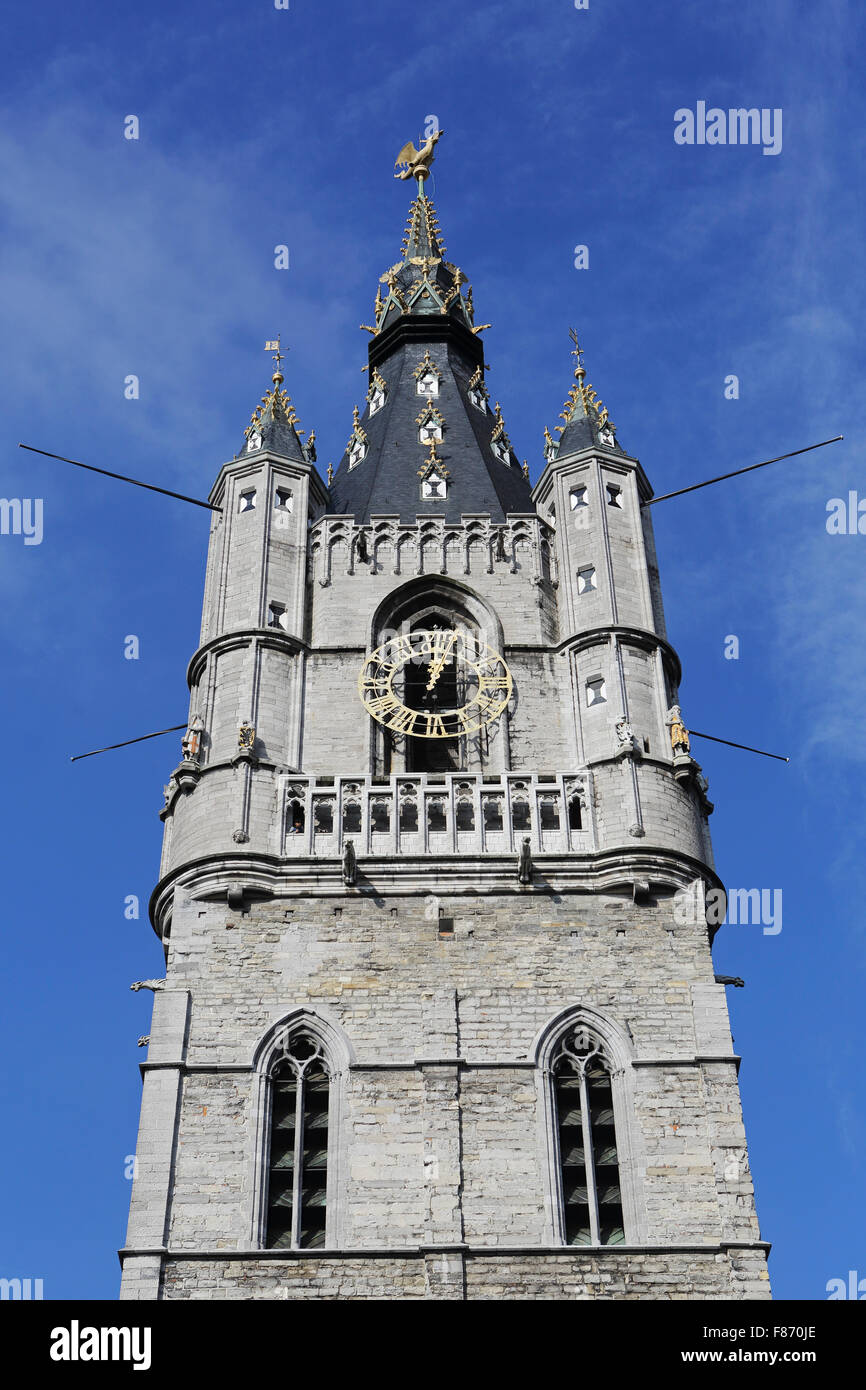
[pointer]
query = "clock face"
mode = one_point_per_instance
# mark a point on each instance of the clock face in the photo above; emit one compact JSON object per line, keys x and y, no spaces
{"x":459,"y":684}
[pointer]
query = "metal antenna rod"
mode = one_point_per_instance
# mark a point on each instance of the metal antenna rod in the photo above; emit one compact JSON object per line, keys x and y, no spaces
{"x":737,"y":471}
{"x":151,"y":487}
{"x":694,"y":734}
{"x":173,"y":730}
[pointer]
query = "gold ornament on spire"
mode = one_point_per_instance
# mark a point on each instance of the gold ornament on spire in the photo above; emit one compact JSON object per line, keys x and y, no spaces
{"x":415,"y":164}
{"x":583,"y":394}
{"x":274,"y":347}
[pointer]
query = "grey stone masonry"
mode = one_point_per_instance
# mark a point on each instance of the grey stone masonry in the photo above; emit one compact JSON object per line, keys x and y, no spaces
{"x":441,"y":1132}
{"x":434,"y":925}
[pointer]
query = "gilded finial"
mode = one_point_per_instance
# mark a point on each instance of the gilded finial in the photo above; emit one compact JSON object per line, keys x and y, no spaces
{"x":330,"y":474}
{"x":415,"y":164}
{"x":274,"y":347}
{"x":580,"y":370}
{"x":526,"y":470}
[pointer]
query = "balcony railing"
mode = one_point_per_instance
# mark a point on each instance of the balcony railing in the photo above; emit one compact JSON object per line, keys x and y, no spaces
{"x":430,"y":813}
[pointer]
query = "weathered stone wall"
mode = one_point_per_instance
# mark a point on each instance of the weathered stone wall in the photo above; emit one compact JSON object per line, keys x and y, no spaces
{"x":549,"y":1274}
{"x":440,"y":1124}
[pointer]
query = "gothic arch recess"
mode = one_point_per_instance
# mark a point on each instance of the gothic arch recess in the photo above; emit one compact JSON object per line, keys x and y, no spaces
{"x":578,"y":1035}
{"x":437,"y":601}
{"x":278,"y":1048}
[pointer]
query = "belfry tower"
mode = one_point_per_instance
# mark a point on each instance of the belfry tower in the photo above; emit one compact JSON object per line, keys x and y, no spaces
{"x":439,"y":1017}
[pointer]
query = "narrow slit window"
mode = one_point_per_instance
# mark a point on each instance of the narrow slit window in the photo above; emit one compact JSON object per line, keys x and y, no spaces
{"x":380,"y":817}
{"x":548,"y":814}
{"x":596,"y":692}
{"x":435,"y":816}
{"x":575,"y":821}
{"x":520,"y":818}
{"x":352,"y":818}
{"x":298,"y":1158}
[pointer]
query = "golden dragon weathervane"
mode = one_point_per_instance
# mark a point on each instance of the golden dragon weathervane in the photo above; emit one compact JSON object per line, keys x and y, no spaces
{"x":415,"y":164}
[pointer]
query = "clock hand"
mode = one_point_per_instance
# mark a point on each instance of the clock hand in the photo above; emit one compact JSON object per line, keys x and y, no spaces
{"x":436,"y":670}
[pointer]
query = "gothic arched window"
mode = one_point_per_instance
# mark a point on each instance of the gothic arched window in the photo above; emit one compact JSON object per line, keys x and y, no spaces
{"x":592,"y":1204}
{"x":298,"y":1160}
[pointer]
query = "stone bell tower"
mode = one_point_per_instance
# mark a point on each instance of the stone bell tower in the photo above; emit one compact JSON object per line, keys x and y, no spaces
{"x":439,"y":1017}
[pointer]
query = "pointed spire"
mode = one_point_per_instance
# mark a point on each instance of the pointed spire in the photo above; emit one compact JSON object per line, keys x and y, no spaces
{"x":427,"y":388}
{"x":587,"y":422}
{"x":422,"y":281}
{"x":272,"y":423}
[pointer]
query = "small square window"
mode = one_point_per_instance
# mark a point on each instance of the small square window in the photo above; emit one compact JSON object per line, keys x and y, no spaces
{"x":377,"y":400}
{"x":277,"y":615}
{"x":247,"y":500}
{"x":614,"y":495}
{"x":283,"y":499}
{"x":596,"y":692}
{"x":577,"y":498}
{"x":428,"y":384}
{"x":586,"y":579}
{"x":434,"y":486}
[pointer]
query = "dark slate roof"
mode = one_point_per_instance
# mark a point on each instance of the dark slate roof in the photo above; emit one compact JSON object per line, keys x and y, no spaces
{"x":275,"y":421}
{"x":386,"y":481}
{"x":585,"y":420}
{"x":425,"y":306}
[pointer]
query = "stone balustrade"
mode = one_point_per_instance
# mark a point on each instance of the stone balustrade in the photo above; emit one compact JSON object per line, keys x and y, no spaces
{"x":431,"y":546}
{"x":435,"y":814}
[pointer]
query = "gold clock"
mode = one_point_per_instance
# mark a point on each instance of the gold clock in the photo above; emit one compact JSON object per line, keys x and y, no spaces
{"x":467,"y":684}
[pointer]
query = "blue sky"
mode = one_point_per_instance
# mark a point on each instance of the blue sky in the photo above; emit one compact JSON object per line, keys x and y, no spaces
{"x":155,"y":258}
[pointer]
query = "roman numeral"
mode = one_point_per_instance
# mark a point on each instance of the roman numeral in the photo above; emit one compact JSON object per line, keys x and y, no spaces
{"x":487,"y":702}
{"x":404,"y":721}
{"x":382,"y":704}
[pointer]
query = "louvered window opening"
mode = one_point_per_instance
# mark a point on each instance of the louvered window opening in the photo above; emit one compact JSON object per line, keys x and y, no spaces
{"x":591,"y":1194}
{"x":298,"y":1163}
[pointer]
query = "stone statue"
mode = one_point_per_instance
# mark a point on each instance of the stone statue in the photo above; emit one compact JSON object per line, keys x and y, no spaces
{"x":679,"y":733}
{"x":148,"y":984}
{"x":350,"y":864}
{"x":191,"y":741}
{"x":524,"y":861}
{"x":625,"y":739}
{"x":246,"y":737}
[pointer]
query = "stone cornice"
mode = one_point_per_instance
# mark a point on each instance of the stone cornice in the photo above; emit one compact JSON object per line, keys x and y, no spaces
{"x":242,"y":637}
{"x":270,"y":876}
{"x":607,"y":1253}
